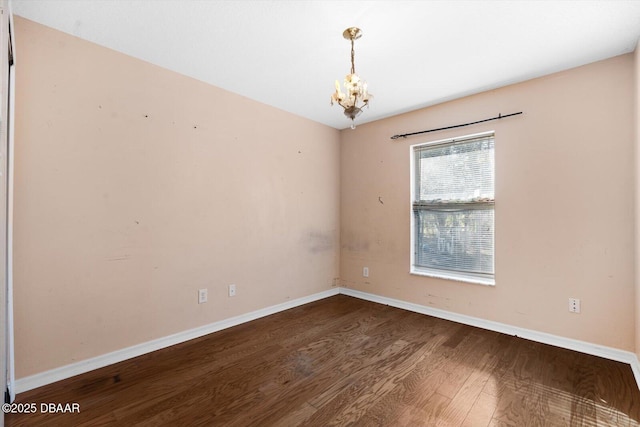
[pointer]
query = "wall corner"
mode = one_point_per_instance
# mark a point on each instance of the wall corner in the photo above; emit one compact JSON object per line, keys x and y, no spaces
{"x":636,"y":216}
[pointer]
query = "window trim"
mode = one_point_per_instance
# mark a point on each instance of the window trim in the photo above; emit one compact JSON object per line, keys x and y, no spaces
{"x":457,"y":276}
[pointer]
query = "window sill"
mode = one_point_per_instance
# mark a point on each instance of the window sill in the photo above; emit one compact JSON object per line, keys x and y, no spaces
{"x":458,"y":277}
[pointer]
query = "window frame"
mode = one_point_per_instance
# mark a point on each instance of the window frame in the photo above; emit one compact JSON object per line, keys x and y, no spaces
{"x":460,"y":276}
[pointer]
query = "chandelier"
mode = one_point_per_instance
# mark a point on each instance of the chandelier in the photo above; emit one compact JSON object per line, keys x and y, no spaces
{"x":356,"y":96}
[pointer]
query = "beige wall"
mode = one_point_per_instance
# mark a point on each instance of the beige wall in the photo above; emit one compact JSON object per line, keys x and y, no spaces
{"x":564,"y":205}
{"x":136,"y":186}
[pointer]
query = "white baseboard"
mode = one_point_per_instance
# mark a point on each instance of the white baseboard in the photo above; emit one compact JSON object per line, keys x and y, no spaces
{"x":541,"y":337}
{"x":68,"y":371}
{"x":635,"y":368}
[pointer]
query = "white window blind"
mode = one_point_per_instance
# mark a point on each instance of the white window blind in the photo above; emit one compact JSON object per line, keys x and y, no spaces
{"x":453,"y":207}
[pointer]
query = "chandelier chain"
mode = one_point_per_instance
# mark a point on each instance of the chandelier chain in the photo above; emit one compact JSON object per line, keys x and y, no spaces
{"x":353,"y":62}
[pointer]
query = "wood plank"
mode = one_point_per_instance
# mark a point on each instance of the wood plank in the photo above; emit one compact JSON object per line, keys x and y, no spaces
{"x":481,"y":412}
{"x":414,"y":390}
{"x":614,"y":394}
{"x":466,"y":397}
{"x":518,"y":389}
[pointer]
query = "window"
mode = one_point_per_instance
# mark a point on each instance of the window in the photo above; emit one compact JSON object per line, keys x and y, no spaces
{"x":453,"y":206}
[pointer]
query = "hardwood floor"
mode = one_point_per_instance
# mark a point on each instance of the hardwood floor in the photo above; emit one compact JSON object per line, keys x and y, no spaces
{"x":343,"y":361}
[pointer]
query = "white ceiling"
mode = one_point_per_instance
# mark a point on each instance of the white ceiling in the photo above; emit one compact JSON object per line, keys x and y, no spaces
{"x":289,"y":53}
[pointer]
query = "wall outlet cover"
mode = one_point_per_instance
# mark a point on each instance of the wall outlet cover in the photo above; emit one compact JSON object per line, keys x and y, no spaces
{"x":202,"y":296}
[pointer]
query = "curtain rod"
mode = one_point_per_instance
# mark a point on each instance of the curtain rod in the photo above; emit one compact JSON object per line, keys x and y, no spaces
{"x":499,"y":116}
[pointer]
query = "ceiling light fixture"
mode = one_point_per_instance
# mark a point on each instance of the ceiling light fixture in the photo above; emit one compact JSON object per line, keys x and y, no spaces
{"x":356,"y":96}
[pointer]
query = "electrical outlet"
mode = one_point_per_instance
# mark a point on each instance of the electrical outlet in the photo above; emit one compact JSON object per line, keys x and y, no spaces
{"x":574,"y":305}
{"x":202,"y":296}
{"x":232,"y":290}
{"x":365,"y":272}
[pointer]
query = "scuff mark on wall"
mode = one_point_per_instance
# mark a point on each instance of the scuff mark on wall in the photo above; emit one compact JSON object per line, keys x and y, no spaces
{"x":124,"y":257}
{"x":438,"y":301}
{"x":317,"y":241}
{"x":354,"y":243}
